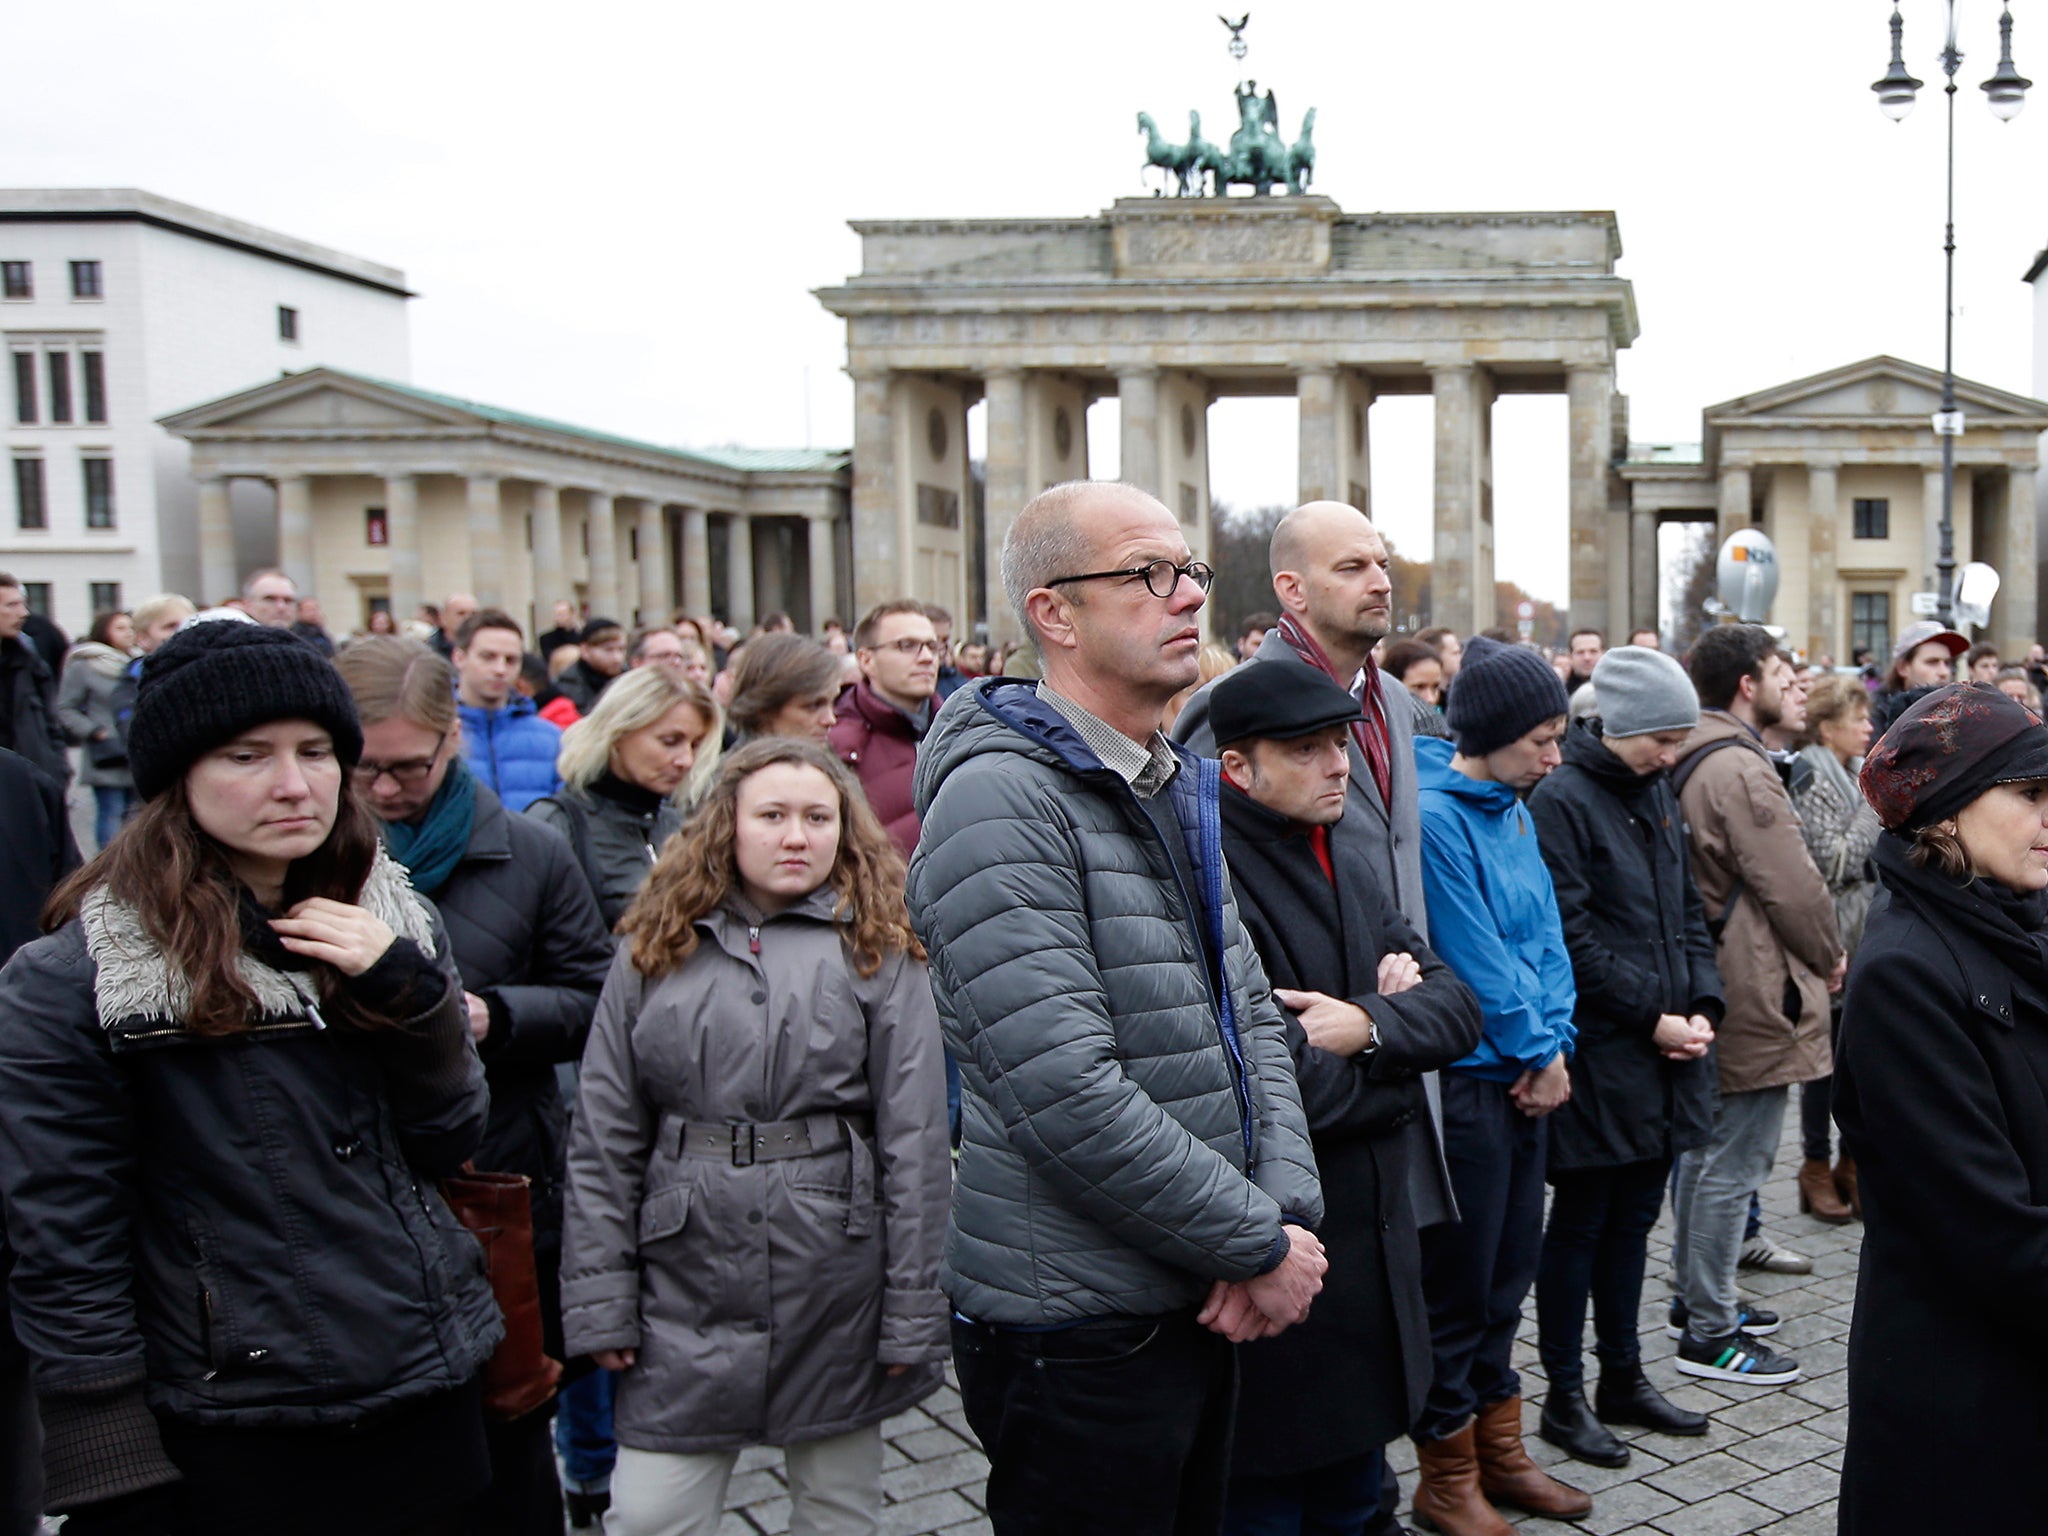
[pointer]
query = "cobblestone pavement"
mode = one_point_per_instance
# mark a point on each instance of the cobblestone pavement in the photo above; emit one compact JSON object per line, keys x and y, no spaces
{"x":1770,"y":1463}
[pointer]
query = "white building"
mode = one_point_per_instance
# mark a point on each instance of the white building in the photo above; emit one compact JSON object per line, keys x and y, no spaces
{"x":118,"y":307}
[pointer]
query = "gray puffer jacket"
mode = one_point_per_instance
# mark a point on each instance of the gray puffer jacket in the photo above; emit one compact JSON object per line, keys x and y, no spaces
{"x":1131,"y":1128}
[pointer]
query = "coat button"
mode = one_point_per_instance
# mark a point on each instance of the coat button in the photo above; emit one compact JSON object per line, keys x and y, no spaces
{"x":760,"y":1325}
{"x":252,"y":1356}
{"x":754,"y":1218}
{"x":347,"y":1149}
{"x":760,"y":997}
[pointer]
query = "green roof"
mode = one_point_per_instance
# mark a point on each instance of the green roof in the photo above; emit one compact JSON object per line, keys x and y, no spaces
{"x":756,"y":459}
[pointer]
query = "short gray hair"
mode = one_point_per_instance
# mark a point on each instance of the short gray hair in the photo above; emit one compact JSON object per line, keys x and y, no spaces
{"x":1047,"y":542}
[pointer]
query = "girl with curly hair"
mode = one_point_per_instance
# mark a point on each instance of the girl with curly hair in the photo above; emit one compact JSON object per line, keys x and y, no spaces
{"x":758,"y":1179}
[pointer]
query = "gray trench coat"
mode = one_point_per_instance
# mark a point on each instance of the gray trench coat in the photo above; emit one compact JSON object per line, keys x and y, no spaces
{"x":768,"y":1298}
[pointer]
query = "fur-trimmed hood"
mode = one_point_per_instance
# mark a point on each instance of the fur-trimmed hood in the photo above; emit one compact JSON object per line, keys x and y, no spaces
{"x":142,"y":1000}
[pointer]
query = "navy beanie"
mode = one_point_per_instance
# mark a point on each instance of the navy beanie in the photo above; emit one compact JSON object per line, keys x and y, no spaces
{"x":211,"y":681}
{"x":1502,"y":693}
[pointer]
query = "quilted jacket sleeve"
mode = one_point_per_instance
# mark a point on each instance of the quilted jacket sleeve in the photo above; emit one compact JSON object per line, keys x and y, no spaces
{"x":999,"y":902}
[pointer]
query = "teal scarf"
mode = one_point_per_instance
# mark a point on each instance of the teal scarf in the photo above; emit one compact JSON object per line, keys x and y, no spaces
{"x":432,"y":849}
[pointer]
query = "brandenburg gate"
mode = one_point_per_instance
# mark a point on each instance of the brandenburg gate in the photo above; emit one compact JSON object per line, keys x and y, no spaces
{"x":1170,"y":303}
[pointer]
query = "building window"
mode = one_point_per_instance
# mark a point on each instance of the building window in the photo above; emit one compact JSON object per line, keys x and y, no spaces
{"x":1873,"y":518}
{"x":287,"y":323}
{"x":17,"y":280}
{"x":85,"y":280}
{"x":29,"y":511}
{"x":93,"y":366}
{"x":105,"y":597}
{"x":938,"y":507}
{"x":25,"y":386}
{"x":60,"y":385}
{"x":37,"y":595}
{"x":1870,"y":622}
{"x":99,"y":492}
{"x":376,"y":527}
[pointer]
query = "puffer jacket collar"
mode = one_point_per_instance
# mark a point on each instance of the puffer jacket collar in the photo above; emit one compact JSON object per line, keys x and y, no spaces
{"x":142,"y":1001}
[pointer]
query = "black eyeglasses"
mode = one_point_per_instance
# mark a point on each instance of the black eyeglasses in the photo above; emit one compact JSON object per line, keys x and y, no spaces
{"x":1162,"y":577}
{"x":410,"y":774}
{"x":908,"y":646}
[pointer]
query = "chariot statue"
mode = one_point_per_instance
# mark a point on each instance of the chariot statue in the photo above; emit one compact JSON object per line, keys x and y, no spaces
{"x":1257,"y":157}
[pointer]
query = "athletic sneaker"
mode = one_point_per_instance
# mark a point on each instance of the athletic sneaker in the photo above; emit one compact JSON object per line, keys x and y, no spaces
{"x":1761,"y":1253}
{"x":1753,"y":1320}
{"x":1738,"y":1357}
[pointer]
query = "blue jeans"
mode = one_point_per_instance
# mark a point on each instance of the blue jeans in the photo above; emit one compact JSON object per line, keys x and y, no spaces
{"x":110,"y":809}
{"x":583,"y":1432}
{"x":1336,"y":1500}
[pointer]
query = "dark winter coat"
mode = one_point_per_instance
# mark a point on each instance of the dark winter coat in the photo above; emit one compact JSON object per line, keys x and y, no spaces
{"x":1615,"y":843}
{"x":1366,"y":1341}
{"x":581,"y":684}
{"x":879,"y":743}
{"x":244,"y":1229}
{"x":36,"y":848}
{"x":28,"y":692}
{"x":527,"y":940}
{"x":1941,"y":1091}
{"x":766,"y":1300}
{"x":1131,"y":1130}
{"x":617,"y":831}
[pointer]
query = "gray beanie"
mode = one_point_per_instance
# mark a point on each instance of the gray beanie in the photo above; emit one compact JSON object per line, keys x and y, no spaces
{"x":1641,"y":691}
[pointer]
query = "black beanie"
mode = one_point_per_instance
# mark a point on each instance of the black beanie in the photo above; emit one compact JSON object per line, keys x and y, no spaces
{"x":211,"y":681}
{"x":1503,"y":692}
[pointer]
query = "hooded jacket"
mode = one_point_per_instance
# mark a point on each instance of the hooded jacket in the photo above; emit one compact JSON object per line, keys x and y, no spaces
{"x":511,"y":750}
{"x":1779,"y":942}
{"x":1495,"y":916}
{"x":879,"y":743}
{"x":1614,"y":841}
{"x":1131,"y":1130}
{"x":95,"y":689}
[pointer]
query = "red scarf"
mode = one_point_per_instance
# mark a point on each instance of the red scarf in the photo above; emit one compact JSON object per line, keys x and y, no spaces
{"x":1371,"y":732}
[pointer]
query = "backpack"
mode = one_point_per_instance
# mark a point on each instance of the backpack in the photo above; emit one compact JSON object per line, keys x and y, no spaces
{"x":1680,"y":776}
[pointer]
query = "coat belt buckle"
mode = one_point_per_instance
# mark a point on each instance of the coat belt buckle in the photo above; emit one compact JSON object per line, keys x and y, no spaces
{"x":743,"y":1146}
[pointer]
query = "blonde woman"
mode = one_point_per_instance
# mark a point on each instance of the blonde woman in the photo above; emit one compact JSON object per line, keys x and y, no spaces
{"x":631,"y":770}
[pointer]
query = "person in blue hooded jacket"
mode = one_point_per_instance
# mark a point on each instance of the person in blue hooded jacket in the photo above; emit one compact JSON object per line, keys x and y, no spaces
{"x":1494,"y":921}
{"x":510,"y":749}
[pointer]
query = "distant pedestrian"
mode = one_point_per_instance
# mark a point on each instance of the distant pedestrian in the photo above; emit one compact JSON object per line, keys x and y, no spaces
{"x":600,"y":657}
{"x":271,"y":598}
{"x":759,"y":1177}
{"x":784,"y":685}
{"x":95,"y":692}
{"x":510,"y":748}
{"x":28,"y":690}
{"x":881,"y":719}
{"x":1924,"y":659}
{"x":1939,"y":1095}
{"x":311,"y":627}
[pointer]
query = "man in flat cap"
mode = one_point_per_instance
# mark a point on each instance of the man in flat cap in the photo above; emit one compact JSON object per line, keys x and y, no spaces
{"x":1370,"y":1009}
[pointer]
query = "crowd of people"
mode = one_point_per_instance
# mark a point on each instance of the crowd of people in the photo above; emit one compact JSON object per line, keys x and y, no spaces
{"x":1208,"y":1051}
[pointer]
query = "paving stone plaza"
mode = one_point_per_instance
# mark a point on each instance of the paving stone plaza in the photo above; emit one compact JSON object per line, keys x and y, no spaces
{"x":1769,"y":1464}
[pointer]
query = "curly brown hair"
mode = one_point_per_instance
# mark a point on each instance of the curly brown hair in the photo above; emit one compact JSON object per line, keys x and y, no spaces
{"x":696,"y":870}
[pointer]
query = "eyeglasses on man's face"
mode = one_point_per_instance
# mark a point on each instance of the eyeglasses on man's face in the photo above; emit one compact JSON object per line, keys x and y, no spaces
{"x":1162,"y":577}
{"x":408,"y":773}
{"x":909,"y":645}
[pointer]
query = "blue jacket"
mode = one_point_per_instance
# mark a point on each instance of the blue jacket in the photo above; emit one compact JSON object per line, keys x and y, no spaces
{"x":1493,"y":916}
{"x":512,"y":750}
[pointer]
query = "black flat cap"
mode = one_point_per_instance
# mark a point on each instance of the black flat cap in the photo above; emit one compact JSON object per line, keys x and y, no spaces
{"x":1277,"y":701}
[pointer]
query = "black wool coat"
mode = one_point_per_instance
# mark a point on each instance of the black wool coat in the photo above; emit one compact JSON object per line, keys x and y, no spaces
{"x":1619,"y":860}
{"x":1353,"y":1376}
{"x":1941,"y":1091}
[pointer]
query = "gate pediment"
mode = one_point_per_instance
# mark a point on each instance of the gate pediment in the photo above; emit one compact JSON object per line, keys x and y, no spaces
{"x":1877,"y":389}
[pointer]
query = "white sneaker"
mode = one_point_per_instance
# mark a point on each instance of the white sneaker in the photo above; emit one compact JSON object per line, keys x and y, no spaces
{"x":1761,"y":1253}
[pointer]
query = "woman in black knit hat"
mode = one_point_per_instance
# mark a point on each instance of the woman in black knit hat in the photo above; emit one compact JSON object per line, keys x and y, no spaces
{"x":228,"y":1080}
{"x":1941,"y":1092}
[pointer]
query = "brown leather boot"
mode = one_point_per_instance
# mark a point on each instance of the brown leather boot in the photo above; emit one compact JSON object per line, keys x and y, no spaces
{"x":1447,"y":1496}
{"x":1845,"y":1185}
{"x":1508,"y":1476}
{"x":1818,"y":1196}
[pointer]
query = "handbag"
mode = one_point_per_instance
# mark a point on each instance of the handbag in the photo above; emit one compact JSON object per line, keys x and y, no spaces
{"x":497,"y":1208}
{"x":109,"y":751}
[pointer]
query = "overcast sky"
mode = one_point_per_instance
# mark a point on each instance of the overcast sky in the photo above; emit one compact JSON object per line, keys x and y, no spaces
{"x":614,"y":212}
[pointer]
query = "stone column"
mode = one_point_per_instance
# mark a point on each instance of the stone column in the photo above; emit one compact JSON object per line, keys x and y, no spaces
{"x":1137,"y":392}
{"x":824,"y":574}
{"x":216,"y":542}
{"x":1645,"y":573}
{"x":1734,"y":510}
{"x":486,"y":529}
{"x":739,"y":572}
{"x":1461,"y":583}
{"x":550,"y":574}
{"x":881,"y":561}
{"x":1007,"y":490}
{"x":2016,"y":610}
{"x":402,"y":543}
{"x":602,"y":527}
{"x":295,"y":530}
{"x":653,"y":562}
{"x":1320,"y":476}
{"x":1823,"y":522}
{"x":1594,"y":605}
{"x":696,"y":562}
{"x":1354,"y":407}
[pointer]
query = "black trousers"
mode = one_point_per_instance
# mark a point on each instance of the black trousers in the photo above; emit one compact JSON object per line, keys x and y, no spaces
{"x":1113,"y":1428}
{"x":21,"y":1436}
{"x":1597,"y":1244}
{"x":1476,"y":1271}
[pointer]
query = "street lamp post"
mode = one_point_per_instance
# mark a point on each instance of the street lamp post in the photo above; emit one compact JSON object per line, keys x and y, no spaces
{"x":2006,"y":93}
